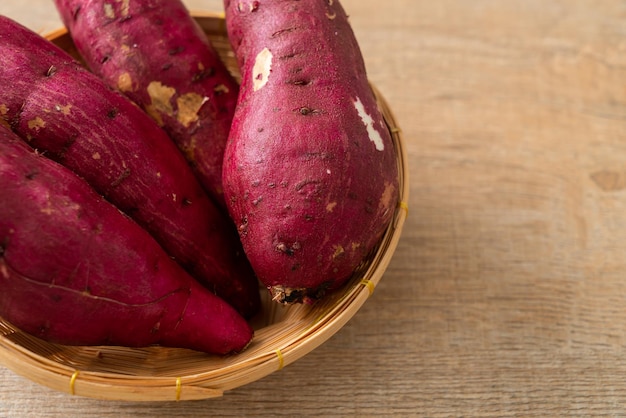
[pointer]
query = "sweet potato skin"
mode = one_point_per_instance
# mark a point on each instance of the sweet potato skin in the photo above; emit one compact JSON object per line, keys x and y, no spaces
{"x":155,"y":53}
{"x":73,"y":117}
{"x":75,"y":270}
{"x":310,"y":172}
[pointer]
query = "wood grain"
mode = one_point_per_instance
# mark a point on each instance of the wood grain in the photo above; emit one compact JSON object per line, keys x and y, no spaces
{"x":507,"y":293}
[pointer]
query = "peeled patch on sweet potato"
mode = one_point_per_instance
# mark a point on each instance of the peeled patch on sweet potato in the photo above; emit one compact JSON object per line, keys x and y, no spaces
{"x":310,"y":173}
{"x":74,"y":270}
{"x":74,"y":118}
{"x":156,"y":54}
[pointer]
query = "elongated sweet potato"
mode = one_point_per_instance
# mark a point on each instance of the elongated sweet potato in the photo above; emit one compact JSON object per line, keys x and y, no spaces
{"x":75,"y":270}
{"x":73,"y":117}
{"x":155,"y":53}
{"x":310,"y":172}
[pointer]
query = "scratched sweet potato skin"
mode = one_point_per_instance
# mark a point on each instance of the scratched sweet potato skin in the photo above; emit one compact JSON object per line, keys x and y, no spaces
{"x":310,"y":172}
{"x":157,"y":55}
{"x":75,"y":270}
{"x":68,"y":113}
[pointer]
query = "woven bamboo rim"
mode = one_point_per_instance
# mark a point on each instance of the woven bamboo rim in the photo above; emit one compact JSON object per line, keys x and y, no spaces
{"x":283,"y":333}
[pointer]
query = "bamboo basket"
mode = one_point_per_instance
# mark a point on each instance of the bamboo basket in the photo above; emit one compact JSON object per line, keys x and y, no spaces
{"x":283,"y":334}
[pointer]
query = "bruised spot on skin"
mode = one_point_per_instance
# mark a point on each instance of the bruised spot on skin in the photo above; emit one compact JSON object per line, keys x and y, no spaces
{"x":176,"y":51}
{"x":36,"y":123}
{"x":356,"y":246}
{"x":124,"y":82}
{"x":338,"y":251}
{"x":386,"y":198}
{"x":189,"y":105}
{"x":63,"y":109}
{"x":243,"y":227}
{"x":373,"y":134}
{"x":261,"y":69}
{"x":289,"y":250}
{"x":331,"y":206}
{"x":4,"y":270}
{"x":109,"y":10}
{"x":123,"y":175}
{"x":47,"y":209}
{"x":3,"y":112}
{"x":96,"y":156}
{"x":160,"y":97}
{"x":221,"y":89}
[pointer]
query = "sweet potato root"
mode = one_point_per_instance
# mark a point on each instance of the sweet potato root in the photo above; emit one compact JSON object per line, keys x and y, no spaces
{"x":310,"y":173}
{"x":74,"y":270}
{"x":73,"y":117}
{"x":155,"y":53}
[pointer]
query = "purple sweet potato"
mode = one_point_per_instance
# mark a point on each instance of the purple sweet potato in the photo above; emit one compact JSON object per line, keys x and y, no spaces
{"x":75,"y":270}
{"x":155,"y":53}
{"x":310,"y":173}
{"x":73,"y":117}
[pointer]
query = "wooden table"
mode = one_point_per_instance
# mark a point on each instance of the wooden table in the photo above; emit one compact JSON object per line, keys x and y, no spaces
{"x":507,"y":293}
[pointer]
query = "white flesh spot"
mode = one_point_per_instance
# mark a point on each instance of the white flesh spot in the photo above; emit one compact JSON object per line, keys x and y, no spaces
{"x":125,"y":7}
{"x":36,"y":123}
{"x":108,"y":10}
{"x":189,"y":104}
{"x":261,"y":69}
{"x":373,"y":134}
